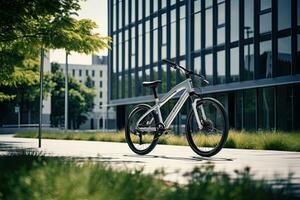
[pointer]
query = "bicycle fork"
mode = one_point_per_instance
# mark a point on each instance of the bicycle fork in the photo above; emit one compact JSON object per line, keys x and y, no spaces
{"x":194,"y":106}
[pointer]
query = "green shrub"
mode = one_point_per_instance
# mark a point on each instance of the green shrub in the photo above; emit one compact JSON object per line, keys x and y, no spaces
{"x":32,"y":176}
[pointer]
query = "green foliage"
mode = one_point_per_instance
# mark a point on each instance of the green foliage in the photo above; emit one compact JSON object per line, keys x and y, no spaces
{"x":80,"y":100}
{"x":28,"y":26}
{"x":236,"y":139}
{"x":31,"y":176}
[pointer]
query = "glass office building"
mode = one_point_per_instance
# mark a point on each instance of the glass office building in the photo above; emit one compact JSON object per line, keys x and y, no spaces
{"x":249,"y":50}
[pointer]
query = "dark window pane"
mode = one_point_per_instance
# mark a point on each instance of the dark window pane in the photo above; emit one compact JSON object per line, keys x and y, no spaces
{"x":234,"y":64}
{"x":264,"y":70}
{"x":298,"y":12}
{"x":234,"y":17}
{"x":298,"y":55}
{"x":249,"y":12}
{"x":249,"y":109}
{"x":284,"y":107}
{"x":238,"y":110}
{"x":265,"y":4}
{"x":284,"y":14}
{"x":209,"y":67}
{"x":248,"y":62}
{"x":284,"y":56}
{"x":208,"y":28}
{"x":221,"y":67}
{"x":265,"y":23}
{"x":266,"y":108}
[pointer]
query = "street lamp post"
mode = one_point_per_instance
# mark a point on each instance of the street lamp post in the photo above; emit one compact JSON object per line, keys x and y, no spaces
{"x":248,"y":31}
{"x":41,"y":96}
{"x":66,"y":92}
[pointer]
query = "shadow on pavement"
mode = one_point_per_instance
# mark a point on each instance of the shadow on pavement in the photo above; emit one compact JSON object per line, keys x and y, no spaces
{"x":181,"y":158}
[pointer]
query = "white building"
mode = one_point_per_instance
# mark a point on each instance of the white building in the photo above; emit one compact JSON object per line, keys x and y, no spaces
{"x":100,"y":117}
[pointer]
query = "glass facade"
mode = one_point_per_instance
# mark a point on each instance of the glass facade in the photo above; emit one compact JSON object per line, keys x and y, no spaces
{"x":248,"y":50}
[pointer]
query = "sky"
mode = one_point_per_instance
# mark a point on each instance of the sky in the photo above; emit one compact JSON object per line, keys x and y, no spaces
{"x":95,"y":10}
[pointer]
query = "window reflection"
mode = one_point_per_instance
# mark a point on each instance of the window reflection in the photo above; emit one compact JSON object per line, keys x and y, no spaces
{"x":248,"y":62}
{"x":266,"y":108}
{"x":132,"y":10}
{"x":249,"y":14}
{"x":221,"y":67}
{"x":221,"y":35}
{"x":284,"y":14}
{"x":132,"y":84}
{"x":284,"y":56}
{"x":164,"y":77}
{"x":208,"y":27}
{"x":234,"y":20}
{"x":197,"y":31}
{"x":264,"y":70}
{"x":197,"y":65}
{"x":265,"y":22}
{"x":265,"y":4}
{"x":182,"y":36}
{"x":173,"y":40}
{"x":209,"y":68}
{"x":234,"y":64}
{"x":249,"y":109}
{"x":120,"y":14}
{"x":140,"y":10}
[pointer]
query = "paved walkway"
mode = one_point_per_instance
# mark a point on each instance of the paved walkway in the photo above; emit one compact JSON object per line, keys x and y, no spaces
{"x":176,"y":160}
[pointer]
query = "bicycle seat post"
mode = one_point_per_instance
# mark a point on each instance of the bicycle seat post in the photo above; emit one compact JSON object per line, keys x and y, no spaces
{"x":154,"y":92}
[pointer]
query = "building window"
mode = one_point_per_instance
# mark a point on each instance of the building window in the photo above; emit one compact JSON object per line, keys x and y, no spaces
{"x":182,"y":30}
{"x":208,"y":26}
{"x":120,"y":14}
{"x":209,"y":67}
{"x":284,"y":58}
{"x":298,"y":53}
{"x":265,"y":19}
{"x":234,"y":65}
{"x":73,"y":72}
{"x":93,"y":73}
{"x":197,"y":31}
{"x":266,"y":108}
{"x":100,"y":94}
{"x":248,"y":19}
{"x":284,"y":14}
{"x":249,"y":109}
{"x":264,"y":70}
{"x":100,"y":105}
{"x":132,"y":10}
{"x":86,"y":72}
{"x":284,"y":104}
{"x":100,"y":84}
{"x":100,"y":73}
{"x":234,"y":20}
{"x":80,"y":72}
{"x":221,"y":67}
{"x":248,"y":62}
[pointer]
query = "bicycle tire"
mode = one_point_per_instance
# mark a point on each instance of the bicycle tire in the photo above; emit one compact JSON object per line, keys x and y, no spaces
{"x":128,"y":131}
{"x":190,"y":123}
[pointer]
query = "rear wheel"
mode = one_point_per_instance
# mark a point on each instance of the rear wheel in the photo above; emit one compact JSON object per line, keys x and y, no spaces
{"x":138,"y":139}
{"x":208,"y":140}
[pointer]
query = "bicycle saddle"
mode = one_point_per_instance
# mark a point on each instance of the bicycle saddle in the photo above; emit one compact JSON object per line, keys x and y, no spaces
{"x":152,"y":84}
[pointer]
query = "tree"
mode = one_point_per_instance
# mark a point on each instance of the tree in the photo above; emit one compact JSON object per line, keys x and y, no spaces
{"x":80,"y":100}
{"x":26,"y":27}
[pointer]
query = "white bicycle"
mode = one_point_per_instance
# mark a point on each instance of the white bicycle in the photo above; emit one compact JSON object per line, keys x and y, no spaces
{"x":206,"y":125}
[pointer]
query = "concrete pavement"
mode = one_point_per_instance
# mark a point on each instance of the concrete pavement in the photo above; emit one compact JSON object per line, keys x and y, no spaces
{"x":176,"y":160}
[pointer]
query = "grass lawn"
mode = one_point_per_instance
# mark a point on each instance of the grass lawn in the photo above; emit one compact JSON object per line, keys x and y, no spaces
{"x":35,"y":177}
{"x":237,"y":139}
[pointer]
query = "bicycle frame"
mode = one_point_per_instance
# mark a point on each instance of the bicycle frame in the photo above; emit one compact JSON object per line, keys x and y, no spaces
{"x":187,"y":88}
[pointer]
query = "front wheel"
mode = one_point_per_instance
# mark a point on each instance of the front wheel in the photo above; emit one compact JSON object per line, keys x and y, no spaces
{"x":207,"y":138}
{"x":142,"y":137}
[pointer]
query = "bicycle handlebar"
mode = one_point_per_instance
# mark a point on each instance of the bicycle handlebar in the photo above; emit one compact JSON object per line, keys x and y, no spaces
{"x":187,"y":72}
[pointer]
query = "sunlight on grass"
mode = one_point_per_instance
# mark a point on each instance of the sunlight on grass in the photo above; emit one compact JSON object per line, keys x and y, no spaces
{"x":236,"y":139}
